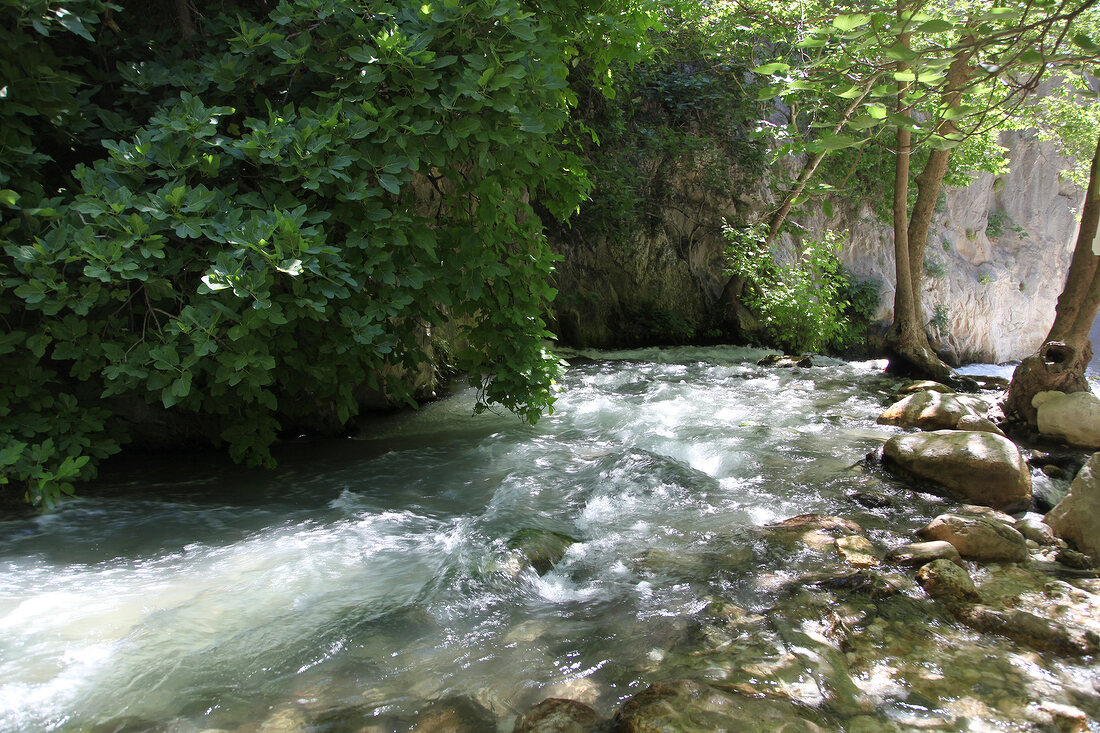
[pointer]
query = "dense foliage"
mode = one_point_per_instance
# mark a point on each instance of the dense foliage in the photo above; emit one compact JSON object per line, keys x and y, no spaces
{"x":253,"y":212}
{"x":810,"y":304}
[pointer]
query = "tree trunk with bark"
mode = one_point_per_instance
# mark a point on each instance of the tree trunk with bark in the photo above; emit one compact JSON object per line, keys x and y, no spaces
{"x":907,"y":342}
{"x":1060,"y":362}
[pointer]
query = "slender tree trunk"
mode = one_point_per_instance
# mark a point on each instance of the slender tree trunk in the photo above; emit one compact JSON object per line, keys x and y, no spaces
{"x":1060,"y":362}
{"x":183,"y":16}
{"x":910,"y":351}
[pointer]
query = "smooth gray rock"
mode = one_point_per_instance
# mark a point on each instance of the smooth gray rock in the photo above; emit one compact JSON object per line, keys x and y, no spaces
{"x":978,"y":538}
{"x":979,"y":468}
{"x":927,"y":410}
{"x":922,"y":553}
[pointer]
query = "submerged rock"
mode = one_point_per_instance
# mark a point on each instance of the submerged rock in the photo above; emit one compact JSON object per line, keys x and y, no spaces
{"x":558,"y":715}
{"x":978,"y":538}
{"x":686,"y":706}
{"x":927,"y":411}
{"x":1074,"y":417}
{"x":857,"y":551}
{"x":454,"y":715}
{"x":980,"y":468}
{"x":1077,"y":517}
{"x":777,"y":360}
{"x":543,"y":548}
{"x":946,"y":581}
{"x":1027,"y":628}
{"x":921,"y":553}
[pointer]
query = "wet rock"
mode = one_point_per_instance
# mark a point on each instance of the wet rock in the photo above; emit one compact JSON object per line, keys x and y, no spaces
{"x":818,"y":531}
{"x":1033,"y":528}
{"x":1053,"y":470}
{"x":926,"y":410}
{"x":975,"y":510}
{"x":1065,"y":718}
{"x":922,"y":553}
{"x":978,"y":538}
{"x":786,"y":362}
{"x":1073,"y":418}
{"x":1027,"y":628}
{"x":1074,"y":559}
{"x":1077,"y":517}
{"x":980,"y":468}
{"x":857,"y":551}
{"x":686,"y":706}
{"x":925,"y":385}
{"x":978,"y":424}
{"x":865,"y":582}
{"x":454,"y":715}
{"x":557,"y":715}
{"x":946,"y":581}
{"x":543,"y":548}
{"x":1046,"y":493}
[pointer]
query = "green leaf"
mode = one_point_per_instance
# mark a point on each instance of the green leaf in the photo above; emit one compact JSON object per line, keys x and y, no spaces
{"x":939,"y":25}
{"x":836,"y":142}
{"x":850,"y":21}
{"x":827,"y":208}
{"x":390,"y":183}
{"x":1085,"y":42}
{"x":776,"y":67}
{"x":73,"y":24}
{"x":9,"y":197}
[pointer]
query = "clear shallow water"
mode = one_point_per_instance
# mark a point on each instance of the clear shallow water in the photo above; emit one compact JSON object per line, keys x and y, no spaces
{"x":366,"y":580}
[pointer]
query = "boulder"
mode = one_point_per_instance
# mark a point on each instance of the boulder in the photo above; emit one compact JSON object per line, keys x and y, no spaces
{"x":557,"y":715}
{"x":978,"y":538}
{"x":1033,"y":528}
{"x":454,"y":715}
{"x":946,"y":581}
{"x":1073,"y":418}
{"x":978,"y":424}
{"x":980,"y":468}
{"x":924,"y":385}
{"x":686,"y":706}
{"x":1077,"y":517}
{"x":922,"y":553}
{"x":927,"y":411}
{"x":542,"y":548}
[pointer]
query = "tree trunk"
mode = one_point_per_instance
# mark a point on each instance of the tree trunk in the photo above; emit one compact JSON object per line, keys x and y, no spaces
{"x":1061,"y":361}
{"x":910,"y":351}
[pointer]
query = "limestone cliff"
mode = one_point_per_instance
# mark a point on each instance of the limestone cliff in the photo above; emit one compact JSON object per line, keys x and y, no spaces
{"x":995,"y":264}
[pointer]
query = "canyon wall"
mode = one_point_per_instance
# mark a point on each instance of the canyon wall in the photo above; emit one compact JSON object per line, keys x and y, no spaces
{"x":995,"y":264}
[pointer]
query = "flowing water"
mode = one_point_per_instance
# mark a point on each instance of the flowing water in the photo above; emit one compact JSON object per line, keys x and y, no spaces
{"x":370,"y":580}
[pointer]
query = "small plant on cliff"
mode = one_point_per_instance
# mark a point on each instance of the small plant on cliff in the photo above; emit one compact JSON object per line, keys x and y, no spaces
{"x":800,"y":305}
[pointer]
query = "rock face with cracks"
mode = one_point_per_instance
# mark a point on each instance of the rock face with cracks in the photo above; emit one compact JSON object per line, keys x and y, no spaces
{"x":977,"y":467}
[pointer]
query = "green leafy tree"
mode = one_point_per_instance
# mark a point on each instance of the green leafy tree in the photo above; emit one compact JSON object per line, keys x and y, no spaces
{"x":923,"y":75}
{"x":254,"y":212}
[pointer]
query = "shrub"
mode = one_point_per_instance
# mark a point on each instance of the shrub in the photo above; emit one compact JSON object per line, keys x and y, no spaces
{"x":802,"y":306}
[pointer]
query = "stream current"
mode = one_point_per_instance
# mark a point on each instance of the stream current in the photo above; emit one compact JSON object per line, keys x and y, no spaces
{"x":367,"y":581}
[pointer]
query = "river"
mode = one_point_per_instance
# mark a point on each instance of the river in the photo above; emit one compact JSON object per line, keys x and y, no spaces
{"x":369,"y":579}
